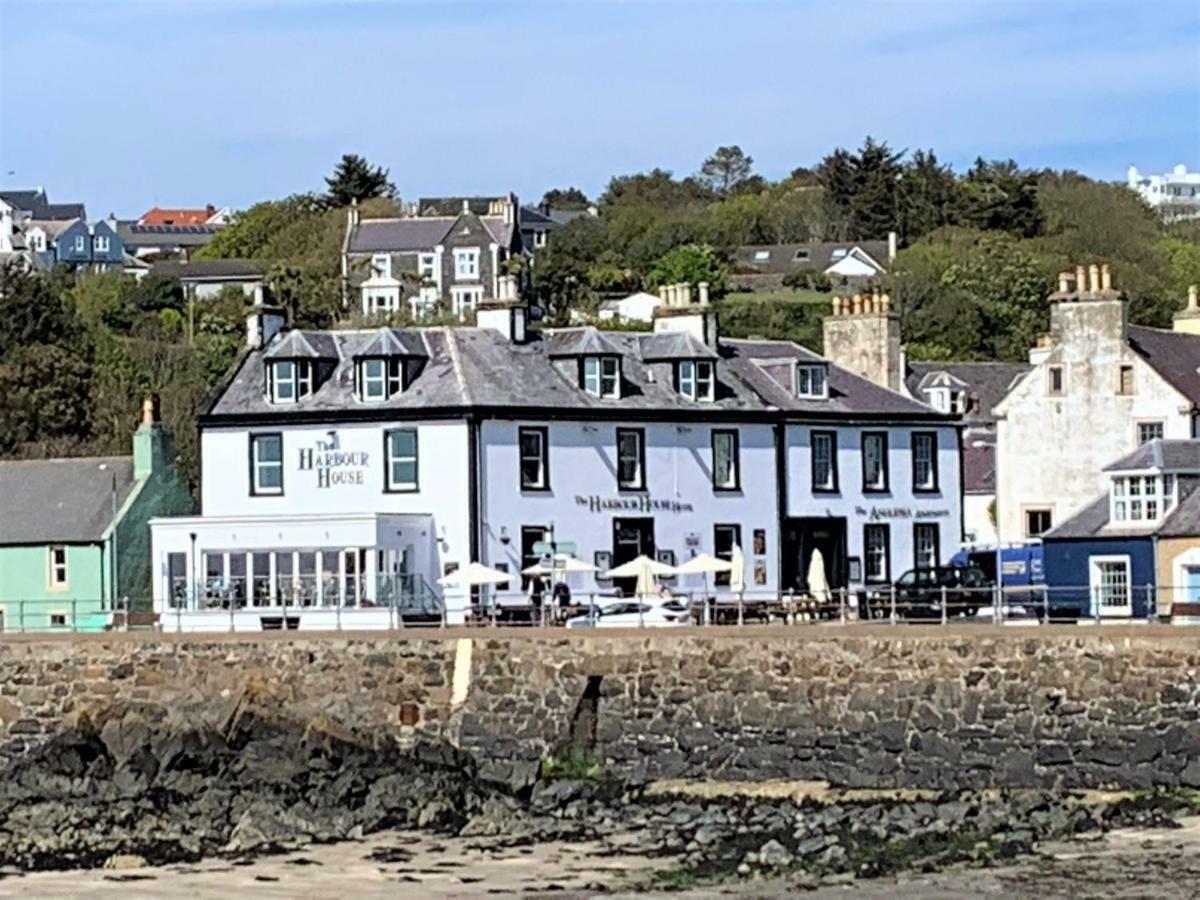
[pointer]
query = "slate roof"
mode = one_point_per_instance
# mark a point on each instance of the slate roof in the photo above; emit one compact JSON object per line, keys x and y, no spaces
{"x":452,"y":206}
{"x":415,"y":234}
{"x":134,"y":235}
{"x":61,"y":500}
{"x":209,"y":269}
{"x":52,"y":227}
{"x":782,"y":258}
{"x":34,"y":203}
{"x":1176,"y":455}
{"x":393,"y":342}
{"x":674,"y":345}
{"x":987,"y":382}
{"x":1092,"y":520}
{"x":979,"y":466}
{"x":1173,"y":355}
{"x":476,"y":367}
{"x":586,"y":341}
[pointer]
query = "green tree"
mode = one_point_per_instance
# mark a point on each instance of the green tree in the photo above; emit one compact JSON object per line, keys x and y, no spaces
{"x":657,"y":189}
{"x":929,"y":196}
{"x":44,"y":395}
{"x":356,"y":180}
{"x":726,"y":169}
{"x":837,"y":174}
{"x":1000,"y":196}
{"x":874,"y":209}
{"x":692,"y":263}
{"x":565,"y":198}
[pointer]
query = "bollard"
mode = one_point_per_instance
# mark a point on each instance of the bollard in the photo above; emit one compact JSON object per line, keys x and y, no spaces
{"x":741,"y":608}
{"x":997,"y":605}
{"x":944,"y":611}
{"x":1046,"y":604}
{"x":74,"y":619}
{"x":892,"y":598}
{"x":21,"y":615}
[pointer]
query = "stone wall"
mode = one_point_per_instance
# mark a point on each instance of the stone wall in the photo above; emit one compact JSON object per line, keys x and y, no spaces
{"x":860,"y":706}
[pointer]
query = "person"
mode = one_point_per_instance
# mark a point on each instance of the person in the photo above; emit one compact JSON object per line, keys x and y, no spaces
{"x":536,"y":589}
{"x":562,"y":595}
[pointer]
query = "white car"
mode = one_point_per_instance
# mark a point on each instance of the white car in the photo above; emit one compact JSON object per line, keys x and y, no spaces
{"x":650,"y":613}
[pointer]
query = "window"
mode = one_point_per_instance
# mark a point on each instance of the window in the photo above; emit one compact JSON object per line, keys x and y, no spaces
{"x":80,"y":244}
{"x":100,"y":243}
{"x":925,"y":545}
{"x":945,"y":399}
{"x":1110,"y":584}
{"x":631,"y":459}
{"x":424,"y":303}
{"x":466,"y":264}
{"x":839,"y":253}
{"x":811,"y":382}
{"x":876,"y":539}
{"x":725,"y":538}
{"x":58,"y":567}
{"x":379,"y":378}
{"x":539,"y":238}
{"x":381,"y":300}
{"x":266,"y":464}
{"x":924,"y":461}
{"x":530,"y":536}
{"x":874,"y":461}
{"x":1055,"y":381}
{"x":381,"y":265}
{"x":290,"y":379}
{"x":535,"y":459}
{"x":695,"y":379}
{"x":1037,"y":522}
{"x":824,"y":462}
{"x":762,"y":255}
{"x":465,"y":299}
{"x":425,"y":265}
{"x":802,"y":255}
{"x":726,"y":474}
{"x":602,"y":376}
{"x":1149,"y":431}
{"x":1141,"y":498}
{"x":58,"y":620}
{"x":1125,"y":381}
{"x":400,"y":446}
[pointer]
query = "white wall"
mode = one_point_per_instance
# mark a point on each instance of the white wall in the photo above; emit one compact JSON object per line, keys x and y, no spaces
{"x":583,"y":465}
{"x":900,"y":507}
{"x":977,"y":518}
{"x":442,"y":453}
{"x":204,"y":290}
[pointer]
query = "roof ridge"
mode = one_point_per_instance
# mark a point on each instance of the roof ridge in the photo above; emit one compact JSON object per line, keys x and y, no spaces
{"x":65,"y":459}
{"x":456,"y":362}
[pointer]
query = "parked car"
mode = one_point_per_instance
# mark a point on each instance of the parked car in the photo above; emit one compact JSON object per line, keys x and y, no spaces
{"x":633,"y":614}
{"x":920,"y":593}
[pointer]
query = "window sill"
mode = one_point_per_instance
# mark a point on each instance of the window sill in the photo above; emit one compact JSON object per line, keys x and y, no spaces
{"x":927,"y":491}
{"x":631,"y":489}
{"x":402,"y":490}
{"x":826,"y":491}
{"x":535,"y":490}
{"x":266,"y":493}
{"x":736,"y":489}
{"x":877,"y":490}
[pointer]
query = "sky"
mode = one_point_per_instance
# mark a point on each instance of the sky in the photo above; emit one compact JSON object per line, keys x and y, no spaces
{"x":126,"y":105}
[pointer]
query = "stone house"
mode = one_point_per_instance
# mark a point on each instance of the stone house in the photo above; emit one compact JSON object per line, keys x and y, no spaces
{"x":425,"y":262}
{"x":75,"y":537}
{"x":1097,"y":388}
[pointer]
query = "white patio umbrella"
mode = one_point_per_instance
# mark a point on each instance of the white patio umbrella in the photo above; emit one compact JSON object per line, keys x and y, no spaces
{"x":703,"y":564}
{"x":645,"y":570}
{"x":561,"y":563}
{"x":818,"y":582}
{"x":475,"y":575}
{"x":737,"y":576}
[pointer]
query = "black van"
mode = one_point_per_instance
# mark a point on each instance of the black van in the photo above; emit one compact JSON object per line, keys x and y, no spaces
{"x":919,"y":593}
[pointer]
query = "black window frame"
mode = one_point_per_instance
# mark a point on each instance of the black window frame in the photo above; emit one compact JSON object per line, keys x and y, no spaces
{"x":722,"y":579}
{"x":254,"y":438}
{"x":932,"y":437}
{"x":833,"y":460}
{"x":640,"y":434}
{"x":544,"y":433}
{"x":388,"y":486}
{"x":528,"y":559}
{"x":918,"y":527}
{"x":737,"y":460}
{"x":886,"y":530}
{"x":1037,"y":510}
{"x":884,"y":459}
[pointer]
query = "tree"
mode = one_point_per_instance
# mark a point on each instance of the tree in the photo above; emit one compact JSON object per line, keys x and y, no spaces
{"x":837,"y":175}
{"x":692,"y":263}
{"x":726,"y":169}
{"x":565,"y":198}
{"x":874,"y":208}
{"x":1000,"y":196}
{"x":355,"y":179}
{"x":657,"y":188}
{"x":929,"y":196}
{"x":44,"y":394}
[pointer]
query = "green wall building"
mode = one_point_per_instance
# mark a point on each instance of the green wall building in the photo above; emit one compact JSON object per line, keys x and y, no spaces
{"x":74,"y":533}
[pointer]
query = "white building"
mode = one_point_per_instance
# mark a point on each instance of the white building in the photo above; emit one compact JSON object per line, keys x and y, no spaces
{"x":638,"y":307}
{"x":345,"y":472}
{"x":1175,"y":195}
{"x":1098,"y":388}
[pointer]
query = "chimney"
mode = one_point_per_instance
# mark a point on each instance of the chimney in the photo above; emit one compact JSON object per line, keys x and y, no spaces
{"x":152,"y":451}
{"x":677,"y":312}
{"x":1187,"y":320}
{"x":891,"y":246}
{"x":506,"y":312}
{"x":1090,"y":311}
{"x":263,"y":321}
{"x":352,"y":214}
{"x":862,"y":336}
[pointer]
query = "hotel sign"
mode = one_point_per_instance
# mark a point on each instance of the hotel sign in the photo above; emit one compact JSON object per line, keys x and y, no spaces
{"x":641,"y":503}
{"x":883,"y":513}
{"x":334,"y":466}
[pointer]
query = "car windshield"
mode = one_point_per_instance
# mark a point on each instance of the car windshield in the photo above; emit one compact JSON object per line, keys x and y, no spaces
{"x":907,"y":578}
{"x":623,"y":609}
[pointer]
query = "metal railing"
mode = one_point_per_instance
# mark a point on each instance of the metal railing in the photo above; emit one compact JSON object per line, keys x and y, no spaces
{"x":407,"y":602}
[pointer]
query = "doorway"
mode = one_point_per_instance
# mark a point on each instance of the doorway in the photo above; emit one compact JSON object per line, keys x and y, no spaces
{"x":631,"y":538}
{"x":800,"y":538}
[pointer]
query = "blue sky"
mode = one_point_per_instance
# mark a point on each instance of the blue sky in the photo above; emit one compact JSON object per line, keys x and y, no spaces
{"x":181,"y":102}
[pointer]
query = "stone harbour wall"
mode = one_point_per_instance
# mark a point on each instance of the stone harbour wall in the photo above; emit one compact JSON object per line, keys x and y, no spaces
{"x":968,"y":707}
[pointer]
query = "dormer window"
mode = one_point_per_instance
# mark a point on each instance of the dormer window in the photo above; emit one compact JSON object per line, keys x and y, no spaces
{"x":945,"y":399}
{"x":696,"y":380}
{"x":380,"y":378}
{"x":381,"y":265}
{"x":1141,"y":498}
{"x":289,"y":380}
{"x":811,"y":382}
{"x":602,"y":376}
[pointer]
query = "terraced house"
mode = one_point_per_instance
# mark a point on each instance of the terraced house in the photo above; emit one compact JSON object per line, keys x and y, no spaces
{"x":345,"y":472}
{"x":452,"y":261}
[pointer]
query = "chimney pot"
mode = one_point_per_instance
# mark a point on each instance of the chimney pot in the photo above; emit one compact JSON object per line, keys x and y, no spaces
{"x":663,"y":295}
{"x":686,"y":290}
{"x":1080,"y":280}
{"x":885,"y":303}
{"x":1105,"y":278}
{"x":858,"y":304}
{"x":1193,"y":300}
{"x":702,"y":287}
{"x":1094,"y":279}
{"x":150,"y":410}
{"x":1064,"y":282}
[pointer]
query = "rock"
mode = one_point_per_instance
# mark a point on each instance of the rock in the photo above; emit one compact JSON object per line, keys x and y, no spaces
{"x":125,"y":861}
{"x":774,"y":855}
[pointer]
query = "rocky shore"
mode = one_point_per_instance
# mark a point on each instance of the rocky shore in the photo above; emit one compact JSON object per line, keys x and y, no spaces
{"x":133,"y":790}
